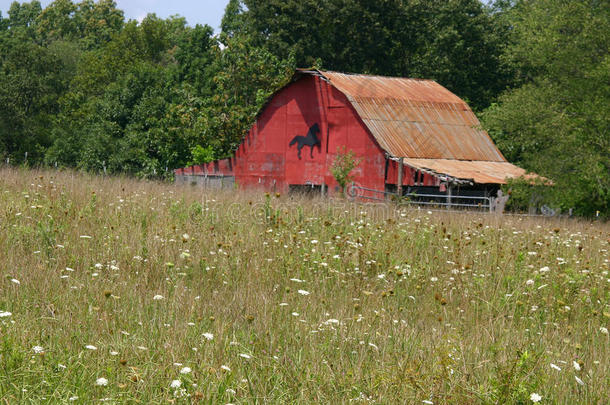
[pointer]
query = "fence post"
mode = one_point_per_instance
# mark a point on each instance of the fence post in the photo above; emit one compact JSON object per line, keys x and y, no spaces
{"x":449,"y":189}
{"x":400,"y":169}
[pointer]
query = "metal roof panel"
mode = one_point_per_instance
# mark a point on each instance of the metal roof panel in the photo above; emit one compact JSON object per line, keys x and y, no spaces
{"x":416,"y":118}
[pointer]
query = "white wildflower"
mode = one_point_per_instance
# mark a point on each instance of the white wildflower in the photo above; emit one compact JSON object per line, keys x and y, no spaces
{"x":433,"y":279}
{"x":556,"y":367}
{"x":603,"y":330}
{"x":158,"y":297}
{"x":15,"y":281}
{"x":535,"y":397}
{"x":303,"y":292}
{"x":113,"y":353}
{"x":545,"y":269}
{"x":529,"y":282}
{"x":208,"y":336}
{"x":37,"y":349}
{"x":90,"y":347}
{"x":102,"y":382}
{"x":230,"y":391}
{"x":579,"y":381}
{"x":225,"y":368}
{"x":85,"y":237}
{"x":245,"y":356}
{"x":4,"y":314}
{"x":175,"y":384}
{"x":576,"y":365}
{"x":185,"y":370}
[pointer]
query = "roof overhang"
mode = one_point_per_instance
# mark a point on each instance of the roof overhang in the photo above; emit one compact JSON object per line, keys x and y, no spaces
{"x":468,"y":171}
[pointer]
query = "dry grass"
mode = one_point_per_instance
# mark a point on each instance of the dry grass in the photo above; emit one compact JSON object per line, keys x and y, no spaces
{"x":404,"y":306}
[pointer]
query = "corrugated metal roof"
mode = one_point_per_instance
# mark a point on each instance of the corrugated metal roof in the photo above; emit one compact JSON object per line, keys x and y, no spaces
{"x":478,"y":171}
{"x":416,"y":118}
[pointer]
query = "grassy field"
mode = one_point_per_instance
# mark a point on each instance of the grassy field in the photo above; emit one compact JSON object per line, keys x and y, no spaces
{"x":136,"y":292}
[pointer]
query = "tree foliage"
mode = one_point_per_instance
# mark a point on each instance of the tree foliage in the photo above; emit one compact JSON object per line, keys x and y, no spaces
{"x":557,"y":123}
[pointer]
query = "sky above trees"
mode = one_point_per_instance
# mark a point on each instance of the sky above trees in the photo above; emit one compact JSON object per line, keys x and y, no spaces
{"x":195,"y":11}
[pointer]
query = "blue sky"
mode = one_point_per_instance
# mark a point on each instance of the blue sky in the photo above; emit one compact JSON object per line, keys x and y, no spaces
{"x":195,"y":11}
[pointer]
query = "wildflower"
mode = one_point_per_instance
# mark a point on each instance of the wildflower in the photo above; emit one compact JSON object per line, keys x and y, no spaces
{"x":90,"y":347}
{"x":85,"y":237}
{"x":603,"y":330}
{"x":72,"y":399}
{"x":296,"y":280}
{"x":102,"y":382}
{"x":295,"y":314}
{"x":425,"y":401}
{"x":175,"y":384}
{"x":579,"y":381}
{"x":556,"y":367}
{"x":576,"y":365}
{"x":208,"y":336}
{"x":185,"y":370}
{"x":529,"y":282}
{"x":113,"y":353}
{"x":314,"y":241}
{"x":303,"y":292}
{"x":245,"y":356}
{"x":158,"y":297}
{"x":225,"y":368}
{"x":545,"y":269}
{"x":38,"y":349}
{"x":433,"y":279}
{"x":230,"y":391}
{"x":15,"y":281}
{"x":98,"y":266}
{"x":535,"y":397}
{"x":4,"y":314}
{"x":186,"y":237}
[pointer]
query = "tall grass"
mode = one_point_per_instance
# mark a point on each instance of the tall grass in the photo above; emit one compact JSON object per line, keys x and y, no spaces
{"x":184,"y":296}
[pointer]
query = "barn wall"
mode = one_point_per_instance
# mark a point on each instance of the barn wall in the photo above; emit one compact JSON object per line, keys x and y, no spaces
{"x":266,"y":159}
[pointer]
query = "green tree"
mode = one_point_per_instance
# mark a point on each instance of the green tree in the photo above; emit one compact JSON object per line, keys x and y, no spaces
{"x":557,"y":123}
{"x":244,"y":78}
{"x":342,"y":166}
{"x":457,"y":42}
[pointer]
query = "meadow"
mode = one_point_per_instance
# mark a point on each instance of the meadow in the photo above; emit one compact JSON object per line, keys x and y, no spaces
{"x":127,"y":291}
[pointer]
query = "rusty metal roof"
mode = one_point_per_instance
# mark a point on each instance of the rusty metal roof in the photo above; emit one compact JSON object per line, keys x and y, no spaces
{"x":415,"y":118}
{"x":478,"y":171}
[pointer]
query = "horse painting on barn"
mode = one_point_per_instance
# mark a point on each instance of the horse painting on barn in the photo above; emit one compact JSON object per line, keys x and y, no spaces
{"x":311,"y":140}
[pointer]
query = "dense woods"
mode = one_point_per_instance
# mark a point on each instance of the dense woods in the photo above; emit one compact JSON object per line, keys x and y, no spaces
{"x":82,"y":87}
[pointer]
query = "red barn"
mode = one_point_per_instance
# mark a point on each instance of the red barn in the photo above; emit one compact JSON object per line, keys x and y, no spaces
{"x":393,"y":125}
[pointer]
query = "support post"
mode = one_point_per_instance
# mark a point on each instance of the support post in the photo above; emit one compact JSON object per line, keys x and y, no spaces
{"x":449,"y":190}
{"x":323,"y":189}
{"x":401,"y":165}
